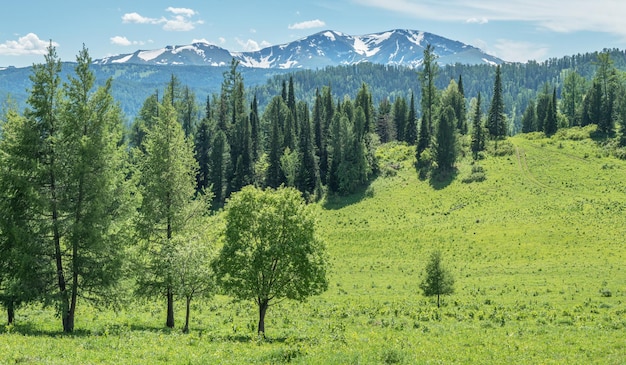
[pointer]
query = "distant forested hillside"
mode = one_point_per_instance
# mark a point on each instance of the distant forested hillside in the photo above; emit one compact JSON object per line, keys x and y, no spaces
{"x":521,"y":82}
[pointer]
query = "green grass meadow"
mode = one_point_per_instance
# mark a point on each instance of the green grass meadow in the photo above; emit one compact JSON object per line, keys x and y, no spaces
{"x":537,"y":251}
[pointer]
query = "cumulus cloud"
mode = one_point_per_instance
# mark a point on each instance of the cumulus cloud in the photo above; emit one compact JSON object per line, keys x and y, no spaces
{"x":123,"y":41}
{"x":180,"y":19}
{"x":182,"y":11}
{"x":30,"y":44}
{"x":309,"y":24}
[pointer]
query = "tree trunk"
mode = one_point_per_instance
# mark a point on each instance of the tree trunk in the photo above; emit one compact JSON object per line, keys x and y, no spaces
{"x":186,"y":328}
{"x":437,"y":300}
{"x":170,"y":308}
{"x":10,"y":313}
{"x":263,"y":304}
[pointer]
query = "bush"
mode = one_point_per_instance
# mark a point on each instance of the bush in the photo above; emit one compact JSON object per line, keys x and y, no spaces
{"x":502,"y":148}
{"x":477,"y":175}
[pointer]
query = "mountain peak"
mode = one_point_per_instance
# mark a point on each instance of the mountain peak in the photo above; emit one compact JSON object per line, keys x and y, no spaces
{"x":402,"y":47}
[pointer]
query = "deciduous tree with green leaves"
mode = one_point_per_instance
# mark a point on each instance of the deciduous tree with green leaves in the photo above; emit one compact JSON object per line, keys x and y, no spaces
{"x":271,"y":251}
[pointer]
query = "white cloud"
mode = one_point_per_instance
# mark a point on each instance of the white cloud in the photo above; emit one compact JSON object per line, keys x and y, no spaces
{"x":562,"y":16}
{"x":29,"y":44}
{"x":201,"y":40}
{"x":516,"y":51}
{"x":222,"y":40}
{"x":139,"y":19}
{"x":477,"y":21}
{"x":182,"y":11}
{"x":309,"y":24}
{"x":123,"y":41}
{"x":251,"y":45}
{"x":180,"y":21}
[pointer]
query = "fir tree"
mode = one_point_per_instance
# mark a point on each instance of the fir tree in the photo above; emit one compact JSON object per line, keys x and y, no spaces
{"x":478,"y":137}
{"x":496,"y":119}
{"x":529,"y":119}
{"x":446,"y":140}
{"x":410,"y":131}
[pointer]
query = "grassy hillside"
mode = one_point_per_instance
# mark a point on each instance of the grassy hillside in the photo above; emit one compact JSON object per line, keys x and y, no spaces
{"x":537,"y":250}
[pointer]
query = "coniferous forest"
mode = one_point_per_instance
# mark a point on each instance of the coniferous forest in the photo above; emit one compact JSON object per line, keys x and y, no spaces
{"x":192,"y":201}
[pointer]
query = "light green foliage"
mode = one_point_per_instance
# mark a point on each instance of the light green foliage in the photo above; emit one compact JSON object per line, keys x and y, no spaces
{"x":437,"y":279}
{"x":168,"y":171}
{"x":271,"y":250}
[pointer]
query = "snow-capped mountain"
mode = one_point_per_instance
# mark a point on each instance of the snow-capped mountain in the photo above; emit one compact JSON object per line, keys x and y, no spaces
{"x":327,"y":48}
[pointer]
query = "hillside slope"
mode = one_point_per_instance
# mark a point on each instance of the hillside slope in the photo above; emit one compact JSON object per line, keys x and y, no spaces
{"x":537,"y":250}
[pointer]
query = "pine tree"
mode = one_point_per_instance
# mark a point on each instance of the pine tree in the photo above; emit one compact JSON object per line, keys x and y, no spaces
{"x":529,"y":119}
{"x":428,"y":103}
{"x":307,"y":178}
{"x":275,"y":116}
{"x":410,"y":131}
{"x":400,"y":113}
{"x":202,"y":148}
{"x":550,"y":126}
{"x":385,"y":126}
{"x":572,"y":96}
{"x":478,"y":137}
{"x":446,"y":139}
{"x":496,"y":119}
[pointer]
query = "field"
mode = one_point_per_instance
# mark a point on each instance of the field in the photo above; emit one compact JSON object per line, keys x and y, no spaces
{"x":537,"y":250}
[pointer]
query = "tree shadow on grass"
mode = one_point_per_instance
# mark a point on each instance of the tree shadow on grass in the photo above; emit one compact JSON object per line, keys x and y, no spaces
{"x":29,"y":329}
{"x":336,"y":202}
{"x":442,"y":179}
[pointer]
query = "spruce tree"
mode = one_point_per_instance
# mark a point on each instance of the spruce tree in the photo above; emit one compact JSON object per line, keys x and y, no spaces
{"x":307,"y":178}
{"x":400,"y":113}
{"x":410,"y":130}
{"x":427,"y":77}
{"x":529,"y":119}
{"x":478,"y":137}
{"x":550,"y":126}
{"x":496,"y":119}
{"x":446,"y":139}
{"x":437,"y":280}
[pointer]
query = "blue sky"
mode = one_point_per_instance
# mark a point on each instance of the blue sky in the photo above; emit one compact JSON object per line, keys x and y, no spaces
{"x":513,"y":30}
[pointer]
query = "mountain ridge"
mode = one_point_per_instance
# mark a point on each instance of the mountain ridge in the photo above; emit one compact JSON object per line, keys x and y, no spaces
{"x":398,"y":47}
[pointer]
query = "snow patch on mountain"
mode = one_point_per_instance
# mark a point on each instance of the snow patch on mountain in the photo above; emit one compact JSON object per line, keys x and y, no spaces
{"x":326,"y":48}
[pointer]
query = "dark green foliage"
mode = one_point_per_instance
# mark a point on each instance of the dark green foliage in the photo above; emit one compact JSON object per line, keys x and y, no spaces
{"x":550,"y":125}
{"x":496,"y":119}
{"x":400,"y":114}
{"x":437,"y":279}
{"x":410,"y":131}
{"x":307,"y":178}
{"x":271,"y":250}
{"x":429,"y":100}
{"x":385,"y":127}
{"x":529,"y":119}
{"x":446,"y":140}
{"x":574,"y":86}
{"x":478,"y":131}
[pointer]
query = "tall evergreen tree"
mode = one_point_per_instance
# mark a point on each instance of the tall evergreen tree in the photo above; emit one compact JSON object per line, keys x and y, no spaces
{"x":551,"y":125}
{"x":446,"y":139}
{"x":168,"y":172}
{"x":529,"y":119}
{"x":307,"y":177}
{"x":428,"y":103}
{"x":385,"y":126}
{"x":219,"y":165}
{"x":400,"y":114}
{"x":496,"y":119}
{"x":478,"y":136}
{"x":202,"y":148}
{"x":275,"y":116}
{"x":410,"y":130}
{"x":572,"y":96}
{"x":255,"y":129}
